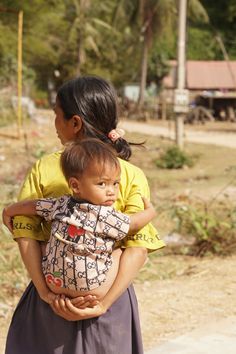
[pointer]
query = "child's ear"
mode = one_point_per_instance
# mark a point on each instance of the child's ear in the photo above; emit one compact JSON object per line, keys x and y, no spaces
{"x":74,"y":185}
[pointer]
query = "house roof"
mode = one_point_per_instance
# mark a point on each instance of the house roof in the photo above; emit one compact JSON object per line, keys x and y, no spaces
{"x":205,"y":75}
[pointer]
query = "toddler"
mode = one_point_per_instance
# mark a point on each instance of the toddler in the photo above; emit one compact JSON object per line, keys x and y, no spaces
{"x":85,"y":226}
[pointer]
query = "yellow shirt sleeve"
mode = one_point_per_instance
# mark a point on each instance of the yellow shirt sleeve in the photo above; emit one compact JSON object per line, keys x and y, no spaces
{"x":134,"y":185}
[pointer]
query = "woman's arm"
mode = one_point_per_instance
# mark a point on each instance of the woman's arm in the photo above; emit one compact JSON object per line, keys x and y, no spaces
{"x":132,"y":259}
{"x":30,"y":250}
{"x":31,"y":255}
{"x":28,"y":229}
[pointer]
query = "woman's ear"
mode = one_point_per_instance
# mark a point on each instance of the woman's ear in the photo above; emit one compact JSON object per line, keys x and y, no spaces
{"x":77,"y":124}
{"x":74,"y":185}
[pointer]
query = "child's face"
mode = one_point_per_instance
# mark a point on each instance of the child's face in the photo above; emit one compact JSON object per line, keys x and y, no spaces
{"x":99,"y":184}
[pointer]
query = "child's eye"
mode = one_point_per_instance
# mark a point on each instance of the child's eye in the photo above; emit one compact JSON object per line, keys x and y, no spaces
{"x":116,"y":184}
{"x":102,"y":184}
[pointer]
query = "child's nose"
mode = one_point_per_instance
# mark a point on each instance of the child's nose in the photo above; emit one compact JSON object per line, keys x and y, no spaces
{"x":110,"y":190}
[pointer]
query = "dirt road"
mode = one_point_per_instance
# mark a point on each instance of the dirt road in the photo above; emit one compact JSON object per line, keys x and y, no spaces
{"x":190,"y":134}
{"x":214,"y":338}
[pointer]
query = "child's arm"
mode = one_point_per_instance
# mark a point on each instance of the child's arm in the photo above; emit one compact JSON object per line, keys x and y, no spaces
{"x":25,"y":207}
{"x":30,"y":249}
{"x":141,"y":218}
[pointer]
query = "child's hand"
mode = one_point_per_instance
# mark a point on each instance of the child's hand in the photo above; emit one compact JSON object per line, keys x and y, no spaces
{"x":7,"y":220}
{"x":148,"y":205}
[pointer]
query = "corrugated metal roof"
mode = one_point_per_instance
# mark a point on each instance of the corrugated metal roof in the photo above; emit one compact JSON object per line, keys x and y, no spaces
{"x":205,"y":75}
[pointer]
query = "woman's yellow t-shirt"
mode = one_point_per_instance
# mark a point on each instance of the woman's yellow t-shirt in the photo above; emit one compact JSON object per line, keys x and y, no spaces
{"x":46,"y":180}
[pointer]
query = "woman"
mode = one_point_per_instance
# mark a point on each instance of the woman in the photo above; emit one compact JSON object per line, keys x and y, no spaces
{"x":85,"y":107}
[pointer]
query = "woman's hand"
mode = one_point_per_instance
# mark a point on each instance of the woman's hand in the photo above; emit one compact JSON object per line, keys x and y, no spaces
{"x":64,"y":307}
{"x":82,"y":302}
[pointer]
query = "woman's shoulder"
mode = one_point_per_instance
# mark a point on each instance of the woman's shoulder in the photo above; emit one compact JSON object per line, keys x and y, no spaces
{"x":130,"y":169}
{"x":46,"y":163}
{"x":46,"y":176}
{"x":129,"y":166}
{"x":49,"y":158}
{"x":47,"y":168}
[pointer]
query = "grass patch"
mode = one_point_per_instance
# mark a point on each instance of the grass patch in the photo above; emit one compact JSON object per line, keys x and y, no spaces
{"x":212,"y":227}
{"x":155,"y":269}
{"x":13,"y":276}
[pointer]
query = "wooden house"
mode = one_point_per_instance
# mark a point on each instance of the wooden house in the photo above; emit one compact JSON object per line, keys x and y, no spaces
{"x":211,"y":84}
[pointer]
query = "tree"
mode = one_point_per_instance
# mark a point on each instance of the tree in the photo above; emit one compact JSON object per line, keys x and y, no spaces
{"x":222,"y":16}
{"x":109,"y":38}
{"x":86,"y":30}
{"x":155,"y":18}
{"x":41,"y":44}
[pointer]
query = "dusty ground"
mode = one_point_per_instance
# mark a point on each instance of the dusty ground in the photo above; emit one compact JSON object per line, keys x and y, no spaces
{"x":196,"y":291}
{"x":202,"y":292}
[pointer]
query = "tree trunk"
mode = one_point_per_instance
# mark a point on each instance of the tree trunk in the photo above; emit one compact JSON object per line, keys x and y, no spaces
{"x":81,"y":34}
{"x":144,"y":65}
{"x":78,"y":62}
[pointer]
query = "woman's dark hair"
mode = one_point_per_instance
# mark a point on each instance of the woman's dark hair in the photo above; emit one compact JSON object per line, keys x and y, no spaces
{"x":78,"y":155}
{"x":94,"y":100}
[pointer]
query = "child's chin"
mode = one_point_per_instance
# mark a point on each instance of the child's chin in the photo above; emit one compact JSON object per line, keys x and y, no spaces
{"x":108,"y":203}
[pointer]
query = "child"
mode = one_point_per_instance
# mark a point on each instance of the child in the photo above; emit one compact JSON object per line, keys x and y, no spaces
{"x":85,"y":226}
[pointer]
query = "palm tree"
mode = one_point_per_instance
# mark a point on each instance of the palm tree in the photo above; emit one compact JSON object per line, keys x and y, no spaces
{"x":86,"y":30}
{"x":154,"y":18}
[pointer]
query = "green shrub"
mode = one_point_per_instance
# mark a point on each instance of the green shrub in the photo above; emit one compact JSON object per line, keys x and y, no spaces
{"x":174,"y":158}
{"x":214,"y":230}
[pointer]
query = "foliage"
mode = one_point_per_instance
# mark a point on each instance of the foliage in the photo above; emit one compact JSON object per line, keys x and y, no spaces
{"x":108,"y":38}
{"x":222,"y":16}
{"x":201,"y":44}
{"x":174,"y":158}
{"x":158,"y":68}
{"x":214,"y":229}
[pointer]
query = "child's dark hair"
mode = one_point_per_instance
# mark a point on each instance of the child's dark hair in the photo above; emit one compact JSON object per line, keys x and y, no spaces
{"x":78,"y":155}
{"x":94,"y":100}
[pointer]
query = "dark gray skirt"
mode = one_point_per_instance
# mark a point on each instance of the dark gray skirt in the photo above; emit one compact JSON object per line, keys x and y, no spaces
{"x":35,"y":329}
